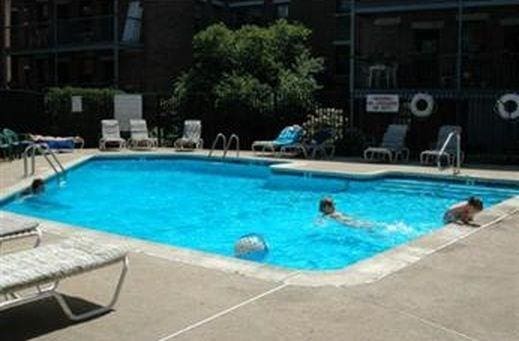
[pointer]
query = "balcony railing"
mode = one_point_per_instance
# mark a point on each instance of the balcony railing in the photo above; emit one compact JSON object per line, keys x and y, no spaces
{"x":415,"y":70}
{"x":84,"y":31}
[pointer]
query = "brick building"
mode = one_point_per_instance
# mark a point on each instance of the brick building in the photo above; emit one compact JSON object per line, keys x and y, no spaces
{"x":122,"y":43}
{"x":400,"y":47}
{"x":406,"y":47}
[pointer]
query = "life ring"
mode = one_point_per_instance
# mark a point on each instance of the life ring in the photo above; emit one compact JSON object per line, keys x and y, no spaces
{"x":422,"y":112}
{"x":502,"y":109}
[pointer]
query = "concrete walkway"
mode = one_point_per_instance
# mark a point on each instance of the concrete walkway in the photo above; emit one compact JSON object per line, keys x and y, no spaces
{"x":467,"y":291}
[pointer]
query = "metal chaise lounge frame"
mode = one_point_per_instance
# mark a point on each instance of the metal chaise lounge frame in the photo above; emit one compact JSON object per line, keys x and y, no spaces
{"x":282,"y":145}
{"x":322,"y":142}
{"x":191,"y":136}
{"x":111,"y":134}
{"x":140,"y":138}
{"x":12,"y":228}
{"x":429,"y":156}
{"x":49,"y":264}
{"x":392,"y":146}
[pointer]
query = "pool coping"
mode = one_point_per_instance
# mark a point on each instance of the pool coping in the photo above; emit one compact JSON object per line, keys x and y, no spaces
{"x":365,"y":271}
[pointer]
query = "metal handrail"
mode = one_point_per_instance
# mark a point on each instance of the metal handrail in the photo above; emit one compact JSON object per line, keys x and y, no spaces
{"x":55,"y":164}
{"x":236,"y":138}
{"x":456,"y":168}
{"x":224,"y":145}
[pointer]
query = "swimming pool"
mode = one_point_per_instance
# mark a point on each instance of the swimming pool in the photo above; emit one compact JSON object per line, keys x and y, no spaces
{"x":207,"y":205}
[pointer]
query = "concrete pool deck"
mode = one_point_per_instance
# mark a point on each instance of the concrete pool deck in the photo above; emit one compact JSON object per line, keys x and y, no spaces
{"x":468,"y":290}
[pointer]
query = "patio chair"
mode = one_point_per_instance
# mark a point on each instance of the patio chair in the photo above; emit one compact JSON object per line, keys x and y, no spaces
{"x":432,"y":156}
{"x":288,"y":142}
{"x":12,"y":228}
{"x":16,"y":142}
{"x":5,"y":147}
{"x":192,"y":136}
{"x":49,"y":264}
{"x":392,"y":146}
{"x":140,"y":138}
{"x":322,"y":143}
{"x":111,"y":136}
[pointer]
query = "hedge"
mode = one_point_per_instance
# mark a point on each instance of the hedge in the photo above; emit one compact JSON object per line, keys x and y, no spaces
{"x":97,"y":104}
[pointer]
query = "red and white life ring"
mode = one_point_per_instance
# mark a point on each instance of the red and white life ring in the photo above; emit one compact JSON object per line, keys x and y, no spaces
{"x":501,"y":106}
{"x":424,"y":111}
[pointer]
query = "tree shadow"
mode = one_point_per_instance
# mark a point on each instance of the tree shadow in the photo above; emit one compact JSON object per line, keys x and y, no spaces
{"x":41,"y":317}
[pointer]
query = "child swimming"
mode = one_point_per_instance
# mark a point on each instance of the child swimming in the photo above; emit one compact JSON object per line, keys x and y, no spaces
{"x":463,"y":212}
{"x":37,"y":187}
{"x":327,"y":208}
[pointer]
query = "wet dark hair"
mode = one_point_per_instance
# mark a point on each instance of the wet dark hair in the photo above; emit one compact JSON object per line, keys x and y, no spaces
{"x":37,"y":185}
{"x":476,"y":202}
{"x":325,"y":202}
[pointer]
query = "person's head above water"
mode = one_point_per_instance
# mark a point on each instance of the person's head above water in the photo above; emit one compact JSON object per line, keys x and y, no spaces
{"x":475,"y":203}
{"x":37,"y":186}
{"x":326,"y":206}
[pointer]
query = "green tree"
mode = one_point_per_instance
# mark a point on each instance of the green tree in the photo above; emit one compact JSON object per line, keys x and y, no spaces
{"x":251,"y":70}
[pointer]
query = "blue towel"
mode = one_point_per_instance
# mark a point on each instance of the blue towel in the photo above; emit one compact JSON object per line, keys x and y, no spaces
{"x":289,"y":135}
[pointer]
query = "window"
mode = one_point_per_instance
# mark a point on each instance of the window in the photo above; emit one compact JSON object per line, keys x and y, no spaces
{"x":511,"y":36}
{"x":63,"y":72}
{"x":342,"y":28}
{"x":342,"y":6}
{"x":283,"y":11}
{"x":342,"y":60}
{"x":427,"y":41}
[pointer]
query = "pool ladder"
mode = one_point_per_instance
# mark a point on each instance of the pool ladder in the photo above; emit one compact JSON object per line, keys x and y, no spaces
{"x":456,"y":166}
{"x":226,"y":144}
{"x":43,"y":149}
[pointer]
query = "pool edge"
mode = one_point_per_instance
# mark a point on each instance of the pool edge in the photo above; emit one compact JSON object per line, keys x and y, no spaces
{"x":365,"y":271}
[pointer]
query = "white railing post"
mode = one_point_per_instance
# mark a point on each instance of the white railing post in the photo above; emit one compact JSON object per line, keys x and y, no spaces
{"x":229,"y":144}
{"x":457,"y":166}
{"x":218,"y":137}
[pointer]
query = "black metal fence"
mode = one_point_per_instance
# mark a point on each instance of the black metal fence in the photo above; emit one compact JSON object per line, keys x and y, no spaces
{"x":486,"y":136}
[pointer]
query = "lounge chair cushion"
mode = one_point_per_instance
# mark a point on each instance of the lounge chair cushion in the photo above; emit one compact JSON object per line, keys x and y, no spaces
{"x":289,"y":135}
{"x":48,"y":263}
{"x":13,"y":225}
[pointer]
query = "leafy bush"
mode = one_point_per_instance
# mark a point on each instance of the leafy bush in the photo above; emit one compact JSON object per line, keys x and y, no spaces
{"x":250,"y":76}
{"x":324,"y":118}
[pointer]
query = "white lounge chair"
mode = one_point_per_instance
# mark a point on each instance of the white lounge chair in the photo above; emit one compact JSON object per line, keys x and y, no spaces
{"x":111,"y":135}
{"x":431,"y":156}
{"x":140,"y":138}
{"x":12,"y":228}
{"x":392,"y":146}
{"x":191,"y":138}
{"x":49,"y":264}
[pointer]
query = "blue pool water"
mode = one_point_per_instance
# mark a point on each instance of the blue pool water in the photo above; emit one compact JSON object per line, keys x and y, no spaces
{"x":207,"y":206}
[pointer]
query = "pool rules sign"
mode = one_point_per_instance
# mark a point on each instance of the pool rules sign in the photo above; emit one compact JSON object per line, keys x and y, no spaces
{"x":382,"y":103}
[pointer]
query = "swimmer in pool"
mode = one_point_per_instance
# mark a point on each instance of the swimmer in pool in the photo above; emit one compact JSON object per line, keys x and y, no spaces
{"x":37,"y":187}
{"x":464,"y":212}
{"x":327,"y":208}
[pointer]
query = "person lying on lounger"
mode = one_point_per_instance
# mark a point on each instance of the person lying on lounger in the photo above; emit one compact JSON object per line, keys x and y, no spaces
{"x":464,"y":212}
{"x":327,"y":208}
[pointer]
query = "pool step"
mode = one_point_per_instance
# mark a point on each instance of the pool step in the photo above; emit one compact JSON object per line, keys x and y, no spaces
{"x":453,"y":191}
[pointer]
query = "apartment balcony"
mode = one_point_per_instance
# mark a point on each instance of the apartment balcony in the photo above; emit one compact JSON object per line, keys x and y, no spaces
{"x":381,"y":6}
{"x":480,"y":71}
{"x":75,"y":34}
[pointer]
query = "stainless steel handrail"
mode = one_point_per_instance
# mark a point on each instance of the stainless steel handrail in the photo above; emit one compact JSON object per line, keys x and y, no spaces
{"x":236,"y":138}
{"x":54,"y":162}
{"x":218,"y":137}
{"x":457,"y":167}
